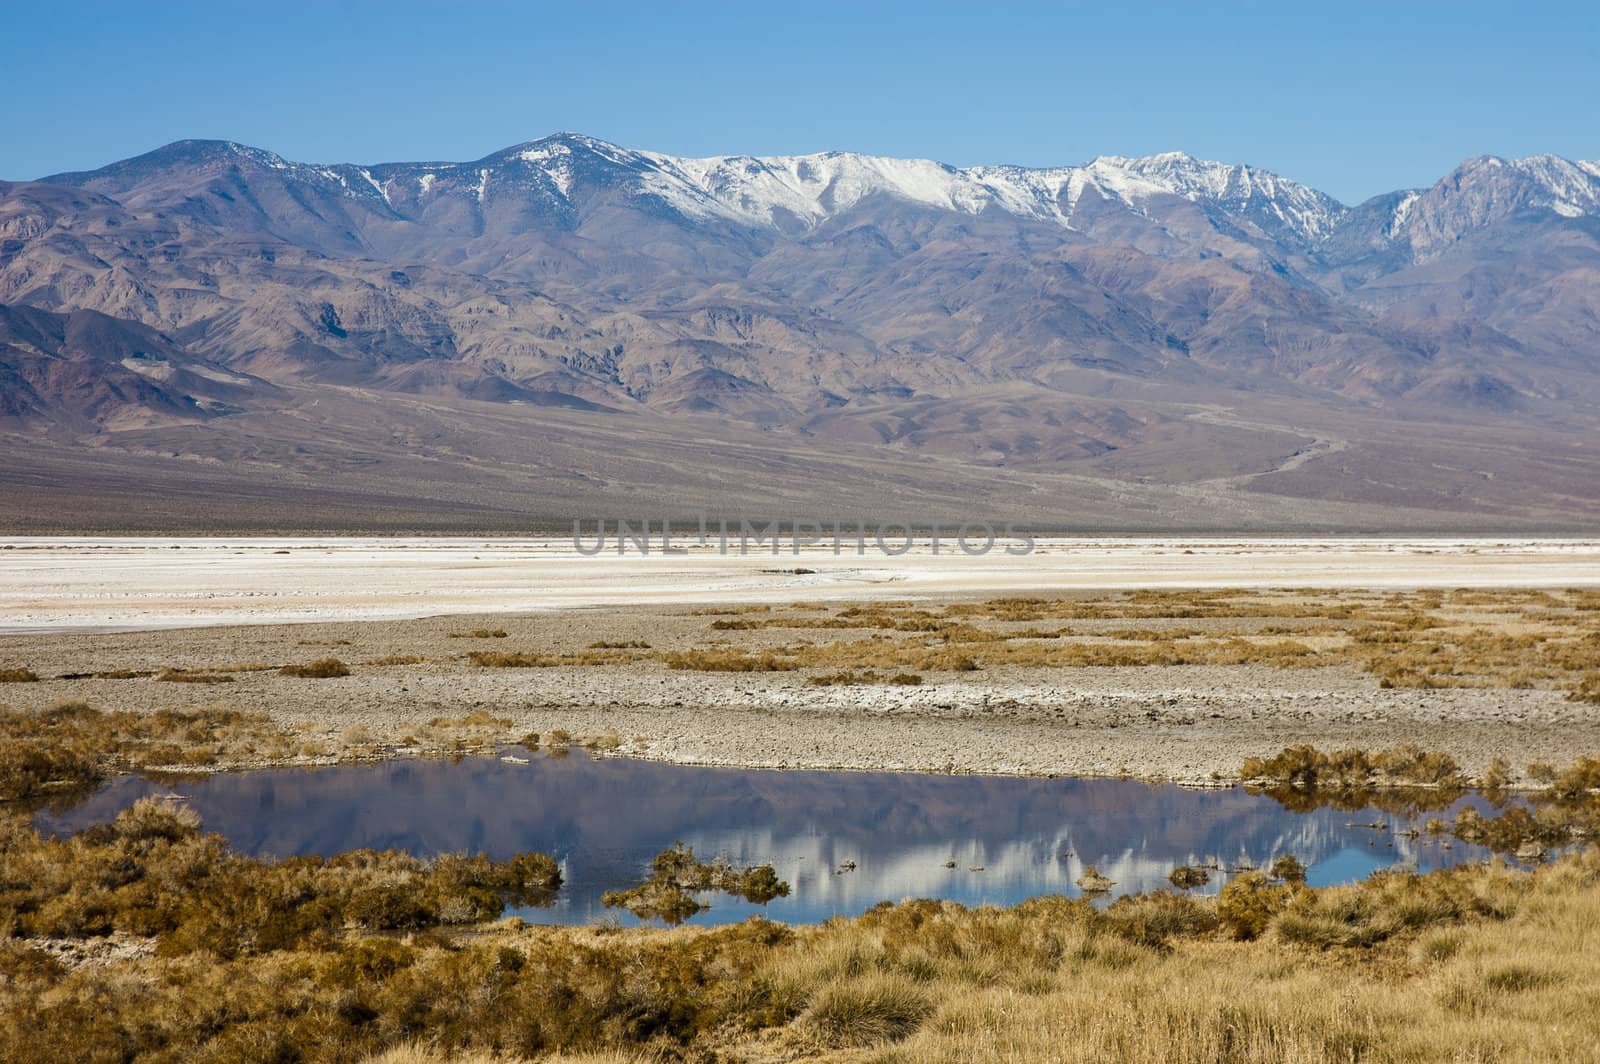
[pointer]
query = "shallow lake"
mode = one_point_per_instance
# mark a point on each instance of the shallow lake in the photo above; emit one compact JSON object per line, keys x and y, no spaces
{"x":1010,"y":838}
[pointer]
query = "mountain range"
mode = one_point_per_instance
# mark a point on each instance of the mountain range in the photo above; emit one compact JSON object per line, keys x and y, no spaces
{"x":210,"y":335}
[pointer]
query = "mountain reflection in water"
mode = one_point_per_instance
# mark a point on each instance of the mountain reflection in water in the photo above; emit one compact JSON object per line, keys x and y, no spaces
{"x":1010,"y":838}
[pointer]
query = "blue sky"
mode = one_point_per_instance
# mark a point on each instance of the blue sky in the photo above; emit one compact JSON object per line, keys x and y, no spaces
{"x":1354,"y":99}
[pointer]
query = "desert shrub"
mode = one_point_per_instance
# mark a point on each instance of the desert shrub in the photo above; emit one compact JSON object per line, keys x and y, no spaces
{"x":152,"y":872}
{"x":321,"y":669}
{"x":150,"y":819}
{"x":1296,"y":765}
{"x":73,"y":744}
{"x":18,"y":676}
{"x":1577,"y":781}
{"x":1308,"y":769}
{"x":1155,"y":919}
{"x":1410,"y":763}
{"x":606,"y":741}
{"x":1249,"y":902}
{"x":1542,"y":772}
{"x":1187,"y":877}
{"x":29,"y":768}
{"x":676,"y":876}
{"x":627,"y":644}
{"x":1288,"y":868}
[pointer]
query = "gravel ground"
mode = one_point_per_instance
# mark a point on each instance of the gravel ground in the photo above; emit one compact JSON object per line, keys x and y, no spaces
{"x":1174,"y":722}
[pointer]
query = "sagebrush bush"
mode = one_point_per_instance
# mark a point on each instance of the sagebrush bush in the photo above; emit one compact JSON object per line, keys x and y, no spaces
{"x":1249,"y":902}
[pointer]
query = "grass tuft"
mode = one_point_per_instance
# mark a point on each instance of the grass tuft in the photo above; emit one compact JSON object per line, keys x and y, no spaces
{"x":867,"y":1011}
{"x":321,"y":669}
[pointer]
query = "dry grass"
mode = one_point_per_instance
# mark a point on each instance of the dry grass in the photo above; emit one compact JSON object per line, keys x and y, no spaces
{"x":866,"y":676}
{"x":866,"y":1010}
{"x":1477,"y":963}
{"x":1308,"y":768}
{"x":1566,"y":812}
{"x":72,"y":745}
{"x":321,"y":669}
{"x":152,"y":874}
{"x":478,"y":718}
{"x":1511,"y":639}
{"x":170,"y":675}
{"x":512,"y":660}
{"x":18,"y":676}
{"x":1419,"y":639}
{"x":729,"y":660}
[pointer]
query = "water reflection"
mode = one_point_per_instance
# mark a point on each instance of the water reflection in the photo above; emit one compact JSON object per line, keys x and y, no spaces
{"x":1009,"y":838}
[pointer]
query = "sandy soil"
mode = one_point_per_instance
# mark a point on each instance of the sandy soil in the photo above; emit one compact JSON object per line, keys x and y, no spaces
{"x":1176,"y":722}
{"x":79,"y":584}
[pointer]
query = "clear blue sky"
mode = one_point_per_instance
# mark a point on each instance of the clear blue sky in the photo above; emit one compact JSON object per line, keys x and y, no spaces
{"x":1354,"y":99}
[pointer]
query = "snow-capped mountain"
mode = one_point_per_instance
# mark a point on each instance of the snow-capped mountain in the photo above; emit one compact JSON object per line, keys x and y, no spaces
{"x":1059,"y":317}
{"x":1488,"y":189}
{"x":558,"y":176}
{"x":790,"y":191}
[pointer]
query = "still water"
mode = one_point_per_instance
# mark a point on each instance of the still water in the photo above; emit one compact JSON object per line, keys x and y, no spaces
{"x":1010,"y":838}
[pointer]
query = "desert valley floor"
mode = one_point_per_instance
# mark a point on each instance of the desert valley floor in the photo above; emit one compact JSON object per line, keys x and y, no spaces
{"x":1168,"y":659}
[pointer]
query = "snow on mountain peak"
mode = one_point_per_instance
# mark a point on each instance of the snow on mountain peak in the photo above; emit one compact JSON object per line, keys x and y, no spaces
{"x":803,"y":191}
{"x":809,"y":189}
{"x":1571,"y":189}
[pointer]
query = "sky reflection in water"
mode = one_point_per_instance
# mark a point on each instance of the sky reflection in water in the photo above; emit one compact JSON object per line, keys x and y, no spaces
{"x":604,"y":820}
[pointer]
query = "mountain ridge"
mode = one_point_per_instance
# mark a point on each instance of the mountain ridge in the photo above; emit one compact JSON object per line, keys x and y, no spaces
{"x":1155,"y":327}
{"x":1570,"y":187}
